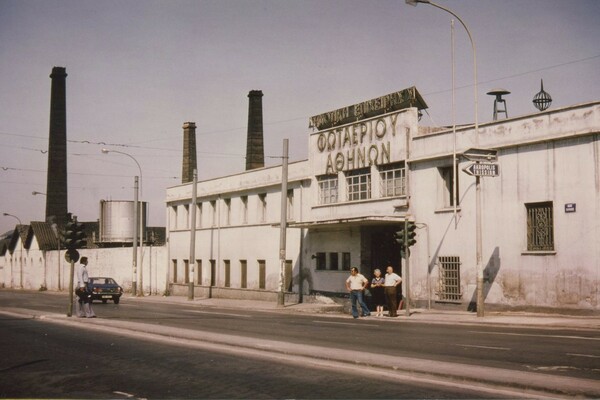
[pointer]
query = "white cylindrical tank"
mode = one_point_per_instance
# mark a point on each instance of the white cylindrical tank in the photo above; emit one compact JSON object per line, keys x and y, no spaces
{"x":116,"y":220}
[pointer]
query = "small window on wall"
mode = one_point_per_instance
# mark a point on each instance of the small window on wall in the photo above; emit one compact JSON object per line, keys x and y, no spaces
{"x":328,"y":189}
{"x":346,"y":261}
{"x":186,"y":271}
{"x":199,"y":271}
{"x":358,"y":184}
{"x":334,"y":261}
{"x":213,"y":211}
{"x":227,"y":211}
{"x":199,"y":215}
{"x":244,"y":200}
{"x":227,"y":265}
{"x":540,"y":226}
{"x":262,"y":274}
{"x":393,"y":180}
{"x":321,"y":259}
{"x":173,"y":217}
{"x":262,"y":207}
{"x":445,"y":187}
{"x":174,"y":274}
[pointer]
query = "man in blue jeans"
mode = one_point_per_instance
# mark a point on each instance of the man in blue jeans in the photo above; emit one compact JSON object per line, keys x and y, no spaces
{"x":356,"y":285}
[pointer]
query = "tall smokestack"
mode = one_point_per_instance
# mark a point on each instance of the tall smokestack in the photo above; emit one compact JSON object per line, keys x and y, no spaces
{"x":189,"y":152}
{"x":255,"y":153}
{"x":56,"y":185}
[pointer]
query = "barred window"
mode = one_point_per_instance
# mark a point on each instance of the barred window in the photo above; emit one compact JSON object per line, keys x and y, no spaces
{"x":328,"y":189}
{"x":359,"y":184}
{"x":540,"y":226}
{"x":449,"y":278}
{"x":393,"y":180}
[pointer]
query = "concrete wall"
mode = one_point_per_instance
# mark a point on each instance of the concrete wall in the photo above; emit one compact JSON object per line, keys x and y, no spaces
{"x":49,"y":269}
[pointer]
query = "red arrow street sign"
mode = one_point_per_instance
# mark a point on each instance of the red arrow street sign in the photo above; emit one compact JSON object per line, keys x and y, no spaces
{"x":482,"y":169}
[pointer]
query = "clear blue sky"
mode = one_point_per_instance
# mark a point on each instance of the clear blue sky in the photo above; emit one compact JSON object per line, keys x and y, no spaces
{"x":138,"y":69}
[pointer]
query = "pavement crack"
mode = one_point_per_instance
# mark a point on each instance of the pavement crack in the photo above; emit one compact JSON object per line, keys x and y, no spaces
{"x":23,"y":365}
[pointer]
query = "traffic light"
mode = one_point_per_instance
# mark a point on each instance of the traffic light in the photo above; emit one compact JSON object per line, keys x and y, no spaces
{"x":411,"y":234}
{"x":399,"y":238}
{"x":74,"y":236}
{"x":80,"y":239}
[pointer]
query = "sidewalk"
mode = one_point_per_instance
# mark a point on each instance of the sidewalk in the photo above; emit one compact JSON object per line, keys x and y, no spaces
{"x":335,"y":310}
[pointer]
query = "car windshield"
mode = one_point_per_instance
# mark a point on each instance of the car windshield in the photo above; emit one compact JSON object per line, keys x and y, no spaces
{"x":103,"y":281}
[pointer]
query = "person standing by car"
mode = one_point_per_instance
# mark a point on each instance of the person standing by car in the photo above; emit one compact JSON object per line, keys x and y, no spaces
{"x":83,"y":292}
{"x":356,"y":285}
{"x":392,"y":280}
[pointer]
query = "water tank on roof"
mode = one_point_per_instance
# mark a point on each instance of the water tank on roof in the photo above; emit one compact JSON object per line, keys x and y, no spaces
{"x":116,"y":221}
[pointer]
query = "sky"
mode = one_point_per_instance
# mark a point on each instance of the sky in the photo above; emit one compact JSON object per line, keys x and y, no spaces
{"x":138,"y":69}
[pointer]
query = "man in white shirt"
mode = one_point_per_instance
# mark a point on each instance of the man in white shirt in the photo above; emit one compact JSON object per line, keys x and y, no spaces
{"x":356,"y":285}
{"x":83,"y":308}
{"x":392,"y":280}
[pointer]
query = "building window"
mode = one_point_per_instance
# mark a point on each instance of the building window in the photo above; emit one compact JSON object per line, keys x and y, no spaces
{"x":346,"y":261}
{"x":393,"y":180}
{"x":213,"y":211}
{"x":186,"y":215}
{"x":262,"y":207}
{"x":358,"y":184}
{"x":290,"y":205}
{"x":449,"y":278}
{"x":174,"y":264}
{"x":540,"y":226}
{"x":321,"y":261}
{"x":173,"y":217}
{"x":334,"y":261}
{"x":186,"y":271}
{"x":243,"y":274}
{"x":328,"y":189}
{"x":213,"y":272}
{"x":262,"y":274}
{"x":199,"y":273}
{"x":289,"y":276}
{"x":447,"y":180}
{"x":199,"y":215}
{"x":227,"y":211}
{"x":227,"y":266}
{"x":244,"y":209}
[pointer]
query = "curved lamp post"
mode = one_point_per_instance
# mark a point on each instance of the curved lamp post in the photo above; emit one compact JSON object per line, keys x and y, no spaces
{"x":478,"y":234}
{"x":138,"y":217}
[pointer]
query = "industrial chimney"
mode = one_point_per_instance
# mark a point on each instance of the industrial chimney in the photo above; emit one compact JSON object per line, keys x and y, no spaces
{"x":56,"y":185}
{"x":189,"y":152}
{"x":255,"y":153}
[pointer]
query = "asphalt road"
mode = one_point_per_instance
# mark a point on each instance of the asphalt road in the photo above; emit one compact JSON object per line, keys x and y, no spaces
{"x":561,"y":352}
{"x":42,"y":360}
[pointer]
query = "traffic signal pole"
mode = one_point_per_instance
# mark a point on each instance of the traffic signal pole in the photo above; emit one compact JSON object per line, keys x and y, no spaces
{"x":407,"y":266}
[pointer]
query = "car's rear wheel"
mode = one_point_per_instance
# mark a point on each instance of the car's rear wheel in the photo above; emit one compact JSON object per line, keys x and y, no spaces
{"x":116,"y":300}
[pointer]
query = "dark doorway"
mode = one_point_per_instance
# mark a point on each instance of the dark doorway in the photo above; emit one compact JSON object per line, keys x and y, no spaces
{"x":384,"y":250}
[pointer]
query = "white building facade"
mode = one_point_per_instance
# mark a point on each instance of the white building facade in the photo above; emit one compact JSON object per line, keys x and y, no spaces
{"x":370,"y":167}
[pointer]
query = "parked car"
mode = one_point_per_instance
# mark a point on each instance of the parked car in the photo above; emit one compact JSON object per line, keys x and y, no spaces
{"x":104,"y":288}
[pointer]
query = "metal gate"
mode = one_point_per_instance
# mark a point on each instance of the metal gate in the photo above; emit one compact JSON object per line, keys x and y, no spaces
{"x":449,"y":278}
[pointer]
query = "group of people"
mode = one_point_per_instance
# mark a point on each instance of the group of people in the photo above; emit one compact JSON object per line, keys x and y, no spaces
{"x":384,"y":290}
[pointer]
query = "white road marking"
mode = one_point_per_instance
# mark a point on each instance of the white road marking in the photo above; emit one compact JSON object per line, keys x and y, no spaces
{"x":220,"y":313}
{"x":123,"y":394}
{"x":583,"y":355}
{"x":342,"y":323}
{"x":483,"y":347}
{"x":535,"y":335}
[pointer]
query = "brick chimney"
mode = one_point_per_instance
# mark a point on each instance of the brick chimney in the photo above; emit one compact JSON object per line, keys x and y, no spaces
{"x":255,"y":153}
{"x":56,"y":185}
{"x":189,"y":152}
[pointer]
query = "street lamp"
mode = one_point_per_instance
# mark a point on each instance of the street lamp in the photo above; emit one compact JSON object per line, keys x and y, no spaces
{"x":20,"y":255}
{"x":138,"y":217}
{"x":478,"y":234}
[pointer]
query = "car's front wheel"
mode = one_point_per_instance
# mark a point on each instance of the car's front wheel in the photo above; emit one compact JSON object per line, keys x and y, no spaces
{"x":116,"y":300}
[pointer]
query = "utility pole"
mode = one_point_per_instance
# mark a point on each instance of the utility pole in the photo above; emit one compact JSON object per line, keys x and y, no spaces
{"x":478,"y":247}
{"x":193,"y":235}
{"x":135,"y":237}
{"x":283,"y":225}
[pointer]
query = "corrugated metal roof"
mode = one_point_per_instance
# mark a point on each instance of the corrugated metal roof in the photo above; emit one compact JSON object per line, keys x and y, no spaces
{"x":45,"y":235}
